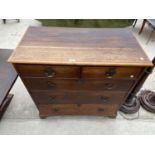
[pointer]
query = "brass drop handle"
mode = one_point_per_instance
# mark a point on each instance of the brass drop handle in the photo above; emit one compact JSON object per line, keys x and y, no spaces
{"x":49,"y":72}
{"x":100,"y":109}
{"x":55,"y":109}
{"x":81,"y":81}
{"x":104,"y":98}
{"x":50,"y":84}
{"x":108,"y":86}
{"x":52,"y":98}
{"x":110,"y":73}
{"x":78,"y":105}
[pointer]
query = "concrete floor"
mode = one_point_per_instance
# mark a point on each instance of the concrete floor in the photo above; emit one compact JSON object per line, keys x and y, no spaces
{"x":21,"y":116}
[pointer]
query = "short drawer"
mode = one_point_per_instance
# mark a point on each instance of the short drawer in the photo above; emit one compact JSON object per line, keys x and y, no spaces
{"x":75,"y":109}
{"x":77,"y":84}
{"x":48,"y":71}
{"x":77,"y":97}
{"x":111,"y":72}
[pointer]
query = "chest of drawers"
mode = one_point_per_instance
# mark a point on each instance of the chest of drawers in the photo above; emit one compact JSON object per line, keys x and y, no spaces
{"x":79,"y":71}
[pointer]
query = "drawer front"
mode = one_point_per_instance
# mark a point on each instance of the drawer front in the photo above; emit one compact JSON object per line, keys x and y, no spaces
{"x":74,"y":109}
{"x":77,"y":84}
{"x":111,"y":72}
{"x":77,"y":97}
{"x":48,"y":71}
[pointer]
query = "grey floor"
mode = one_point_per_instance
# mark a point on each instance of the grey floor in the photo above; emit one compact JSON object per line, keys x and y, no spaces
{"x":21,"y":116}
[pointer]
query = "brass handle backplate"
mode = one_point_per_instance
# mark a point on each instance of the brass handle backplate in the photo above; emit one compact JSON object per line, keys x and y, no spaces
{"x":52,"y":98}
{"x":108,"y":86}
{"x":110,"y":73}
{"x":100,"y":109}
{"x":49,"y":72}
{"x":50,"y":84}
{"x":104,"y":98}
{"x":55,"y":109}
{"x":81,"y":81}
{"x":78,"y":105}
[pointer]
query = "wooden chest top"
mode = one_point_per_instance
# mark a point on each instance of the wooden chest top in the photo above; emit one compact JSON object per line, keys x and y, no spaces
{"x":79,"y":46}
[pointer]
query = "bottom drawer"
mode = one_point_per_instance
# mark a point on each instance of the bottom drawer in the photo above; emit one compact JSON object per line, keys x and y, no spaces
{"x":78,"y":109}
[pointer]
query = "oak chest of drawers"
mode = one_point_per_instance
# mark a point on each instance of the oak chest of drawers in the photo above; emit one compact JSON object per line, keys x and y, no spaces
{"x":79,"y":71}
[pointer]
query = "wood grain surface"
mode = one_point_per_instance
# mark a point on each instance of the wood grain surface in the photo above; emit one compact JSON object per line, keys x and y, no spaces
{"x":79,"y":46}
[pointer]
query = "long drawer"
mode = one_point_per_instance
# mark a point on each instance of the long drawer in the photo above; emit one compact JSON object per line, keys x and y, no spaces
{"x":73,"y":109}
{"x":77,"y":97}
{"x":77,"y":84}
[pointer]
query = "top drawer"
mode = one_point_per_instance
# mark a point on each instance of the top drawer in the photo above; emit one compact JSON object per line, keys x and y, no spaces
{"x":111,"y":72}
{"x":48,"y":71}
